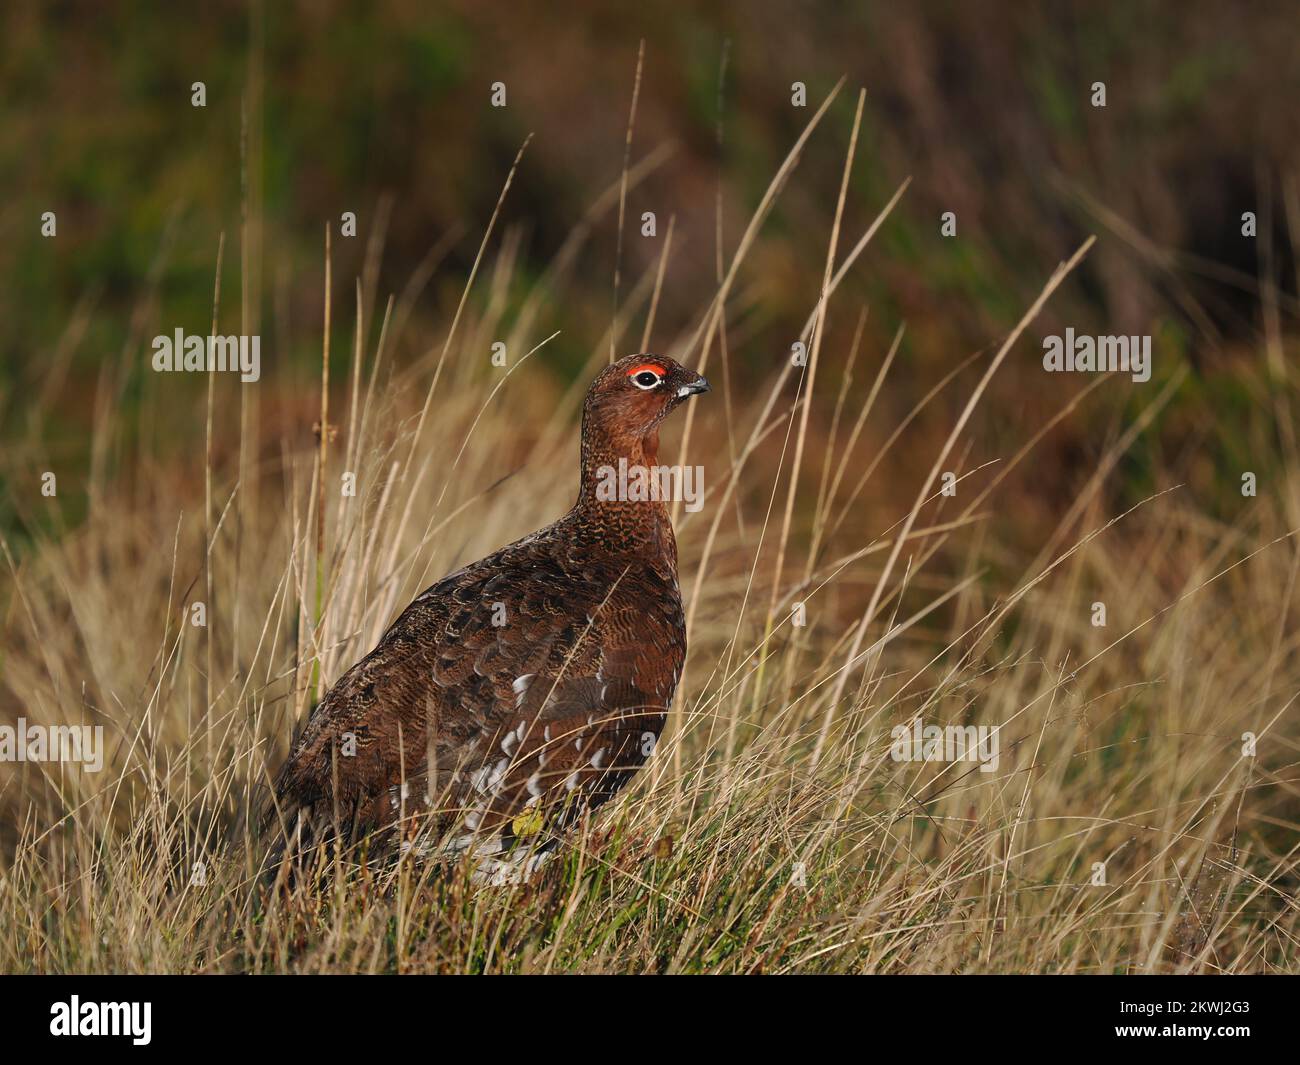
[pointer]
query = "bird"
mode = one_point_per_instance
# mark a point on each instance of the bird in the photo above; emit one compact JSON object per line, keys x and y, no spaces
{"x":523,"y":689}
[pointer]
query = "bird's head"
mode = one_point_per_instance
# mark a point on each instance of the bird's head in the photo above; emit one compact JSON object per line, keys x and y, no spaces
{"x":630,"y":398}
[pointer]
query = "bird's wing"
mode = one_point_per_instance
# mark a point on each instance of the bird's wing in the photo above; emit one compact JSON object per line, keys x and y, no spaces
{"x":585,"y":723}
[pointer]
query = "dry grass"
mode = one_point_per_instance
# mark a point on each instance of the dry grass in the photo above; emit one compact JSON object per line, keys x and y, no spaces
{"x":772,"y":831}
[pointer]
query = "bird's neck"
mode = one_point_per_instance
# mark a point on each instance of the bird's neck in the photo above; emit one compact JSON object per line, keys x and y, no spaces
{"x":616,"y":494}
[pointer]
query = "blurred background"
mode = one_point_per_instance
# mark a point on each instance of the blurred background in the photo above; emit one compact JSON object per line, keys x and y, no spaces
{"x":382,"y":109}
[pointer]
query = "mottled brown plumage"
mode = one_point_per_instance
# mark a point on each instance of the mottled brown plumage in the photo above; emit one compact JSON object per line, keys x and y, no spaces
{"x":537,"y":679}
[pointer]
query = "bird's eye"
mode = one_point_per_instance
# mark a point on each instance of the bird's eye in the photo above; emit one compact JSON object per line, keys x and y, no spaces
{"x":646,"y":379}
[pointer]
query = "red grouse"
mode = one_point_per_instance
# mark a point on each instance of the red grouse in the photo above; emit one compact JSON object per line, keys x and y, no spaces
{"x":525,"y":687}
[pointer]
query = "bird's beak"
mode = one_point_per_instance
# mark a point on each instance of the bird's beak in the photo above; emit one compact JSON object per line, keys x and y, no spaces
{"x":700,"y":384}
